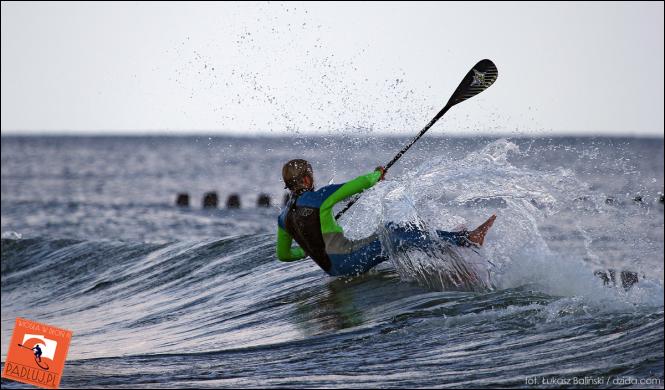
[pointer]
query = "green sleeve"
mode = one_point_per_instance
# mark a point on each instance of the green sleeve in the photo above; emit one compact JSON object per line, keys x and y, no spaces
{"x":357,"y":185}
{"x":284,"y":250}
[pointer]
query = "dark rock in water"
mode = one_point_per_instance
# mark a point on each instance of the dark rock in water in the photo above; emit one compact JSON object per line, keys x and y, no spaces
{"x":609,"y":278}
{"x":286,"y":199}
{"x":603,"y":276}
{"x":610,"y":200}
{"x":628,"y":279}
{"x":182,"y":200}
{"x":638,"y":199}
{"x":210,"y":200}
{"x":263,"y":201}
{"x":233,"y":201}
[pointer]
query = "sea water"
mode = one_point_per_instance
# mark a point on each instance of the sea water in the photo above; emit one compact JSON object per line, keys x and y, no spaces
{"x":164,"y":296}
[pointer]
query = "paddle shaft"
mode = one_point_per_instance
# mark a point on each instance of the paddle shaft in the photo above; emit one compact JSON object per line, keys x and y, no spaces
{"x":417,"y":137}
{"x":401,"y":152}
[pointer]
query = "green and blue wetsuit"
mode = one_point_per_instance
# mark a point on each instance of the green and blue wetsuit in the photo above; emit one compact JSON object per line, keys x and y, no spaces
{"x":308,"y":218}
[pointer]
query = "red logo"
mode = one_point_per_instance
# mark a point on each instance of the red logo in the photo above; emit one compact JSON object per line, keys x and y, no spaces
{"x":37,"y":354}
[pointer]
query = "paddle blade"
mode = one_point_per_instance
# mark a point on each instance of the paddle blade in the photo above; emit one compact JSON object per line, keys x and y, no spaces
{"x":479,"y":78}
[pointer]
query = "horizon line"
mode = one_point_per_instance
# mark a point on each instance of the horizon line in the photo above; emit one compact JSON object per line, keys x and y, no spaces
{"x":213,"y":133}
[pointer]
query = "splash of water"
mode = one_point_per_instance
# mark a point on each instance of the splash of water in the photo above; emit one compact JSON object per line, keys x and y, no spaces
{"x":447,"y":194}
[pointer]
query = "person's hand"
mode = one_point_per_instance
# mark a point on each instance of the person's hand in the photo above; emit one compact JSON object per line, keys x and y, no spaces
{"x":383,"y":172}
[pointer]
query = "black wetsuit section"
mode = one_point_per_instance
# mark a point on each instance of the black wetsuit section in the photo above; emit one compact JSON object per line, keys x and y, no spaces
{"x":304,"y":225}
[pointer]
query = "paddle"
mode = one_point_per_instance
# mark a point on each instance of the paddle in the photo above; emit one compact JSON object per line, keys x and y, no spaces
{"x":479,"y":78}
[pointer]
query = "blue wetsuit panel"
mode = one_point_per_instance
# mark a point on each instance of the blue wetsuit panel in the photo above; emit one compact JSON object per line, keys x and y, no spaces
{"x":312,"y":199}
{"x":402,"y":237}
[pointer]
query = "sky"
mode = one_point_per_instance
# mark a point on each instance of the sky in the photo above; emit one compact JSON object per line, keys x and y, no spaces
{"x":307,"y":68}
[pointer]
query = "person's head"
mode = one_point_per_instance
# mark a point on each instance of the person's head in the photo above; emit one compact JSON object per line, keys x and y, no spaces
{"x":298,"y":175}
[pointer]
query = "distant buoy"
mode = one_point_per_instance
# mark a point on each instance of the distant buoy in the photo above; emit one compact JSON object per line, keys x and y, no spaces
{"x":210,"y":200}
{"x":233,"y":201}
{"x":263,"y":200}
{"x":610,"y":200}
{"x":182,"y":200}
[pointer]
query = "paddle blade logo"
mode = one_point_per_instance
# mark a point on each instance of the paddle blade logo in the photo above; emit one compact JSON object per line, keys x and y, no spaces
{"x":478,"y":78}
{"x":37,"y":354}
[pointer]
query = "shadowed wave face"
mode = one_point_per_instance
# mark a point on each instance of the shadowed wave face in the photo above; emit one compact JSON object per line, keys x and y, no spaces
{"x":213,"y":313}
{"x":162,"y":296}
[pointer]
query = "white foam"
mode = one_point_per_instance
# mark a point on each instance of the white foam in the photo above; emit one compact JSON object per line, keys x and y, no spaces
{"x":11,"y":235}
{"x":445,"y":194}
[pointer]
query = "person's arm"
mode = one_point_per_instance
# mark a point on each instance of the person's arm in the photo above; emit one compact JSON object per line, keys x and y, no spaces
{"x":357,"y":185}
{"x":284,"y":250}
